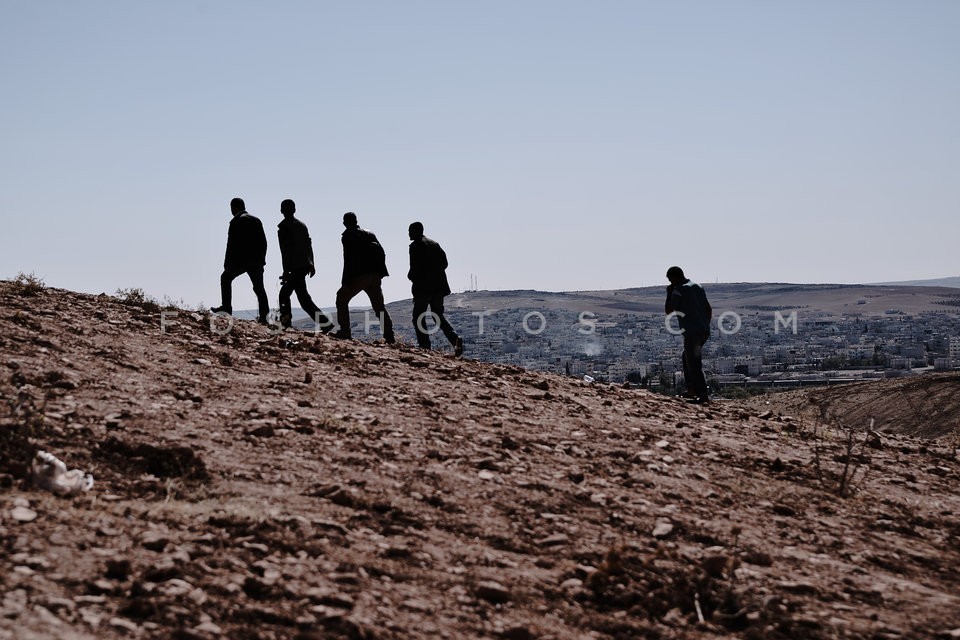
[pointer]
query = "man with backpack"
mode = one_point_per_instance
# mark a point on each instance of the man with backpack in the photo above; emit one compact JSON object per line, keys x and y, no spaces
{"x":364,"y":267}
{"x":428,"y":265}
{"x":296,"y":251}
{"x":688,"y":300}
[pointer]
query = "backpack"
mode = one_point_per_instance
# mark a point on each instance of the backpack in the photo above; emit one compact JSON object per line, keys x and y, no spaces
{"x":373,"y":253}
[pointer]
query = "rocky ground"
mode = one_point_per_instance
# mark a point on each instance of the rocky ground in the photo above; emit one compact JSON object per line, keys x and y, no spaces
{"x":255,"y":485}
{"x":927,"y":406}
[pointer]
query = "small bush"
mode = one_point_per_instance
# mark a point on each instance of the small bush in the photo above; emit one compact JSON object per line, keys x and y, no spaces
{"x":839,"y":454}
{"x":136,"y":297}
{"x":28,"y":284}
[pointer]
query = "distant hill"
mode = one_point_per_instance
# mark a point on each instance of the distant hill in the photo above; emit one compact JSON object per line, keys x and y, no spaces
{"x":841,"y":299}
{"x":953,"y":281}
{"x":837,"y":299}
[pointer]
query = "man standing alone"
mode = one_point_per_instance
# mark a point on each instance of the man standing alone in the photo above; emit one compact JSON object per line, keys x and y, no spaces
{"x":296,"y":250}
{"x":364,"y":266}
{"x":689,"y":301}
{"x":246,"y":253}
{"x":428,"y":264}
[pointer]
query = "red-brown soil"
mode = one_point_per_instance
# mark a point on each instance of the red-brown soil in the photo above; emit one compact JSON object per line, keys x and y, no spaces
{"x":926,"y":405}
{"x":262,"y":486}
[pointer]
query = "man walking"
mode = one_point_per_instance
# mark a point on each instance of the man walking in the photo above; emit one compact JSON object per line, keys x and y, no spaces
{"x":364,"y":266}
{"x":428,"y":264}
{"x":689,"y":301}
{"x":296,"y":251}
{"x":246,"y":253}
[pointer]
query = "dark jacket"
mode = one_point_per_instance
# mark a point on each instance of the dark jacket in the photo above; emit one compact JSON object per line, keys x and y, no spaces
{"x":362,"y":254}
{"x":246,"y":244}
{"x":428,"y":264}
{"x":296,"y":249}
{"x":689,"y":300}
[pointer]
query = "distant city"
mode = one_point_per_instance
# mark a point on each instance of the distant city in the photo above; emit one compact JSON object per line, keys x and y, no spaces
{"x":826,"y":334}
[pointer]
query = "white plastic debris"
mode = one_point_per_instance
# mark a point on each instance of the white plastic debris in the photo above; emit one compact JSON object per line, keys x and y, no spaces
{"x":50,"y":473}
{"x":588,"y":378}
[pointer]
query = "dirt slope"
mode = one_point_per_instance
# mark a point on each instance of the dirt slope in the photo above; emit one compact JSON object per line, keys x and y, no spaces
{"x":256,"y":486}
{"x":926,"y":406}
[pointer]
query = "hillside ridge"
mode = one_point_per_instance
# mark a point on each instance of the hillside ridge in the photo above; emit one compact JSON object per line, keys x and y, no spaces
{"x":248,"y":484}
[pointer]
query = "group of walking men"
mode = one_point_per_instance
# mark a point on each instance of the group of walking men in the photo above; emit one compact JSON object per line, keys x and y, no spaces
{"x":364,"y":267}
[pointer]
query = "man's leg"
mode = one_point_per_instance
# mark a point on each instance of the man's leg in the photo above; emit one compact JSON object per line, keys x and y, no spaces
{"x":345,"y":294}
{"x":684,"y":362}
{"x":307,"y":303}
{"x":256,"y":277}
{"x":226,"y":291}
{"x":693,"y":361}
{"x":420,"y":306}
{"x":286,"y":313}
{"x":375,"y":292}
{"x":436,"y":305}
{"x":420,"y":322}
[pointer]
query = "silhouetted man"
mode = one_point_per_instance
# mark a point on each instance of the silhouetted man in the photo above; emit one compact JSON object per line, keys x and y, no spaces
{"x":246,"y":253}
{"x":428,"y":264}
{"x":296,"y":251}
{"x":364,"y":266}
{"x":689,"y":301}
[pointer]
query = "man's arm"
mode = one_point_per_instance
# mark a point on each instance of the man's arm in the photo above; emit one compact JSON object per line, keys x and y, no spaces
{"x":261,"y":239}
{"x":668,"y":305}
{"x":230,"y":255}
{"x":441,"y":259}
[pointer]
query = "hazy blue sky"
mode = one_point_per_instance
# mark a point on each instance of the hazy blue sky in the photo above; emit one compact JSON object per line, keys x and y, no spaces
{"x":545,"y":144}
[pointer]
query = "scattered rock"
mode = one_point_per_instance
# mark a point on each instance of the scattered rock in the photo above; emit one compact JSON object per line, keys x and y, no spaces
{"x":784,"y":510}
{"x":207,"y":629}
{"x":124,"y":625}
{"x":23,"y":514}
{"x":717,"y":566}
{"x":554,"y":540}
{"x":799,"y":587}
{"x":329,"y":597}
{"x":492,"y":591}
{"x":662,"y":529}
{"x":414,"y":604}
{"x":118,"y":569}
{"x":154,"y":541}
{"x":517,"y":633}
{"x":265,"y":431}
{"x":759,"y":558}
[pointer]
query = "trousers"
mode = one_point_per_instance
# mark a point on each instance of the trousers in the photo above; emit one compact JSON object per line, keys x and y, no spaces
{"x":435,"y":305}
{"x":256,"y":277}
{"x":369,"y":283}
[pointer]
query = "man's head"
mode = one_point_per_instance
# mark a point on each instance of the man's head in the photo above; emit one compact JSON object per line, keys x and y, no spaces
{"x":237,"y":206}
{"x":416,"y":230}
{"x":287,"y":207}
{"x":675,"y":276}
{"x":349,"y":219}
